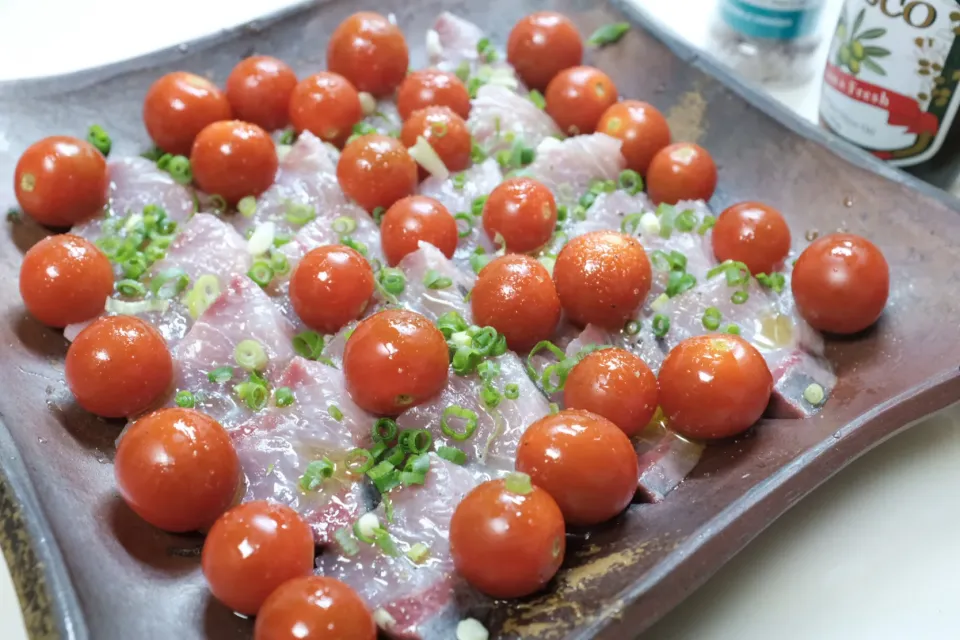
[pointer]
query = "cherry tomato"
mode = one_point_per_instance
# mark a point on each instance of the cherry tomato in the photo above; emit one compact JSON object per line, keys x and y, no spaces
{"x":515,"y":295}
{"x":642,"y":130}
{"x":714,"y":386}
{"x":234,"y":159}
{"x":681,"y":171}
{"x":178,"y":106}
{"x":602,"y":277}
{"x":60,"y":181}
{"x":65,"y":279}
{"x":376,"y":171}
{"x":841,"y":283}
{"x":118,"y":366}
{"x":615,"y":384}
{"x":507,"y":537}
{"x":577,"y":97}
{"x":331,"y":286}
{"x":394,"y":360}
{"x":446,"y":132}
{"x":541,"y":45}
{"x":584,"y":461}
{"x":754,"y":234}
{"x":432,"y":88}
{"x":177,"y":469}
{"x":415,"y":219}
{"x":523,"y":212}
{"x":314,"y":608}
{"x":251,"y":550}
{"x":370,"y":51}
{"x":326,"y":105}
{"x":259,"y":89}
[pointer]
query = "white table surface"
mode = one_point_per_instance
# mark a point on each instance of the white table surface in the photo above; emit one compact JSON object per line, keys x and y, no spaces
{"x":871,"y":554}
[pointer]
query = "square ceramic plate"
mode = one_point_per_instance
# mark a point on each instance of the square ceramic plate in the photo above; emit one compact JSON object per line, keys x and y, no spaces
{"x":87,"y":567}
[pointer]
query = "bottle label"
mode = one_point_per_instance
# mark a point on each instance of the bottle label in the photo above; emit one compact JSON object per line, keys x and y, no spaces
{"x":772,"y":19}
{"x":890,"y":84}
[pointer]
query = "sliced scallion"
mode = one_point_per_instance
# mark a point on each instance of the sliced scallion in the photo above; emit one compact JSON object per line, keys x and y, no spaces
{"x":283,"y":397}
{"x":452,"y":454}
{"x":470,"y":422}
{"x":711,"y":319}
{"x":250,"y":355}
{"x":661,"y":325}
{"x":432,"y":279}
{"x":185,"y":399}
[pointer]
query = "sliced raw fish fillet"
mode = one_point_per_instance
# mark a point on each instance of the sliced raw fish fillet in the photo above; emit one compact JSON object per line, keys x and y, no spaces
{"x":665,"y":458}
{"x":452,"y":45}
{"x":608,"y":212}
{"x":276,"y":446}
{"x":386,"y":119}
{"x":433,"y":303}
{"x":568,"y":167}
{"x":500,"y":117}
{"x":412,"y":601}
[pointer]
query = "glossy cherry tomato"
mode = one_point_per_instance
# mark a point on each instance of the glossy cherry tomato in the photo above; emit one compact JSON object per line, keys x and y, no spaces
{"x":234,"y":159}
{"x":326,"y":105}
{"x":432,"y":88}
{"x":681,"y":171}
{"x":752,"y":233}
{"x":119,"y":366}
{"x":446,"y":132}
{"x":251,"y":550}
{"x":370,"y":51}
{"x":841,"y":283}
{"x":515,"y":295}
{"x":714,"y":386}
{"x":314,"y":608}
{"x":577,"y":97}
{"x":259,"y":89}
{"x":541,"y":45}
{"x":615,"y":384}
{"x":523,"y":212}
{"x":60,"y":181}
{"x":642,"y":130}
{"x":415,"y":219}
{"x":602,"y":277}
{"x":376,"y":171}
{"x":177,"y":469}
{"x":65,"y":279}
{"x":331,"y":286}
{"x":584,"y":461}
{"x":394,"y":360}
{"x":178,"y":106}
{"x":507,"y":537}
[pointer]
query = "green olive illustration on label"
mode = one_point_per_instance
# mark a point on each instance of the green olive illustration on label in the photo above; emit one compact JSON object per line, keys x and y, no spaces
{"x":856,"y":49}
{"x":845,"y":54}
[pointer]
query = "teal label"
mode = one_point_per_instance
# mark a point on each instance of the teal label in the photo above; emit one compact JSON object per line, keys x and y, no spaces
{"x":772,"y":19}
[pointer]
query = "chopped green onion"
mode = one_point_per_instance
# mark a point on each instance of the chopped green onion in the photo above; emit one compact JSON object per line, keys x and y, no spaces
{"x":679,"y":282}
{"x":732,"y":329}
{"x":348,"y":544}
{"x":685,"y":221}
{"x":511,"y":391}
{"x":416,"y":441}
{"x":630,"y":181}
{"x":559,"y":369}
{"x":205,"y":290}
{"x":218,"y":203}
{"x":465,"y":360}
{"x":418,"y":463}
{"x":135,"y":266}
{"x":711,"y":319}
{"x":385,"y":542}
{"x":451,"y":322}
{"x":462,"y":71}
{"x":476,"y":207}
{"x":661,"y":325}
{"x":739,"y":297}
{"x":247,"y":206}
{"x":580,"y":213}
{"x":587,"y":199}
{"x":456,"y":411}
{"x":537,"y":348}
{"x":356,"y":245}
{"x":735,"y":272}
{"x":608,"y":34}
{"x":537,"y":98}
{"x":250,"y":355}
{"x":131,"y":289}
{"x":384,"y":476}
{"x":468,"y":220}
{"x":631,"y":224}
{"x":358,"y":461}
{"x":308,"y":344}
{"x":452,"y":454}
{"x":299,"y":213}
{"x":395,"y":455}
{"x":392,"y":280}
{"x":283,"y":396}
{"x":261,"y":273}
{"x":169,"y":283}
{"x":179,"y":169}
{"x":488,"y":370}
{"x":184,"y":399}
{"x":418,"y":553}
{"x":477,"y":154}
{"x":384,"y":430}
{"x":344,"y":224}
{"x":279,"y":264}
{"x":486,"y":50}
{"x":518,"y":483}
{"x":773,"y":281}
{"x":253,"y":392}
{"x":335,"y":412}
{"x":814,"y":394}
{"x":289,"y":136}
{"x":378,"y":214}
{"x":490,"y":397}
{"x":220,"y":375}
{"x":459,"y":181}
{"x":632,"y":328}
{"x":315,"y":473}
{"x":554,"y":408}
{"x":433,"y":280}
{"x":410,"y":478}
{"x":99,"y":138}
{"x":706,"y":225}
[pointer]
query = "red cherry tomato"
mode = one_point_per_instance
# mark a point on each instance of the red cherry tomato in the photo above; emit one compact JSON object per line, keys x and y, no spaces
{"x":681,"y":171}
{"x":395,"y":360}
{"x":515,"y":295}
{"x":60,"y":181}
{"x":326,"y":105}
{"x":234,"y":159}
{"x":584,"y":461}
{"x":642,"y":130}
{"x":331,"y":286}
{"x":754,"y":234}
{"x":376,"y":171}
{"x":119,"y":366}
{"x":259,"y":89}
{"x":432,"y":88}
{"x":841,"y":283}
{"x":541,"y":45}
{"x":507,"y":537}
{"x":251,"y":550}
{"x":602,"y":277}
{"x":615,"y":384}
{"x":370,"y":51}
{"x":314,"y":608}
{"x":714,"y":386}
{"x":178,"y":106}
{"x":415,"y":219}
{"x":577,"y":97}
{"x":65,"y":279}
{"x":446,"y":132}
{"x":177,"y":469}
{"x":523,"y":212}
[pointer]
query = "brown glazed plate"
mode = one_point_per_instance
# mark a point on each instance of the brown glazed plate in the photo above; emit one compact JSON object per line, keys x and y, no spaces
{"x":86,"y":567}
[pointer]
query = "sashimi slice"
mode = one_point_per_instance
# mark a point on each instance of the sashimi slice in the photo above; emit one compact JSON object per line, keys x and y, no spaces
{"x":568,"y":167}
{"x":499,"y":118}
{"x":665,"y":458}
{"x":433,"y":303}
{"x":456,"y":40}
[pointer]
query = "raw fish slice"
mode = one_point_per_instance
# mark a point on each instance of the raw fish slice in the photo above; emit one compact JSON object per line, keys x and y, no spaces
{"x":665,"y":458}
{"x":568,"y":167}
{"x":276,"y":446}
{"x":608,"y":212}
{"x":456,"y":41}
{"x":433,"y":303}
{"x":500,"y":117}
{"x":385,"y":119}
